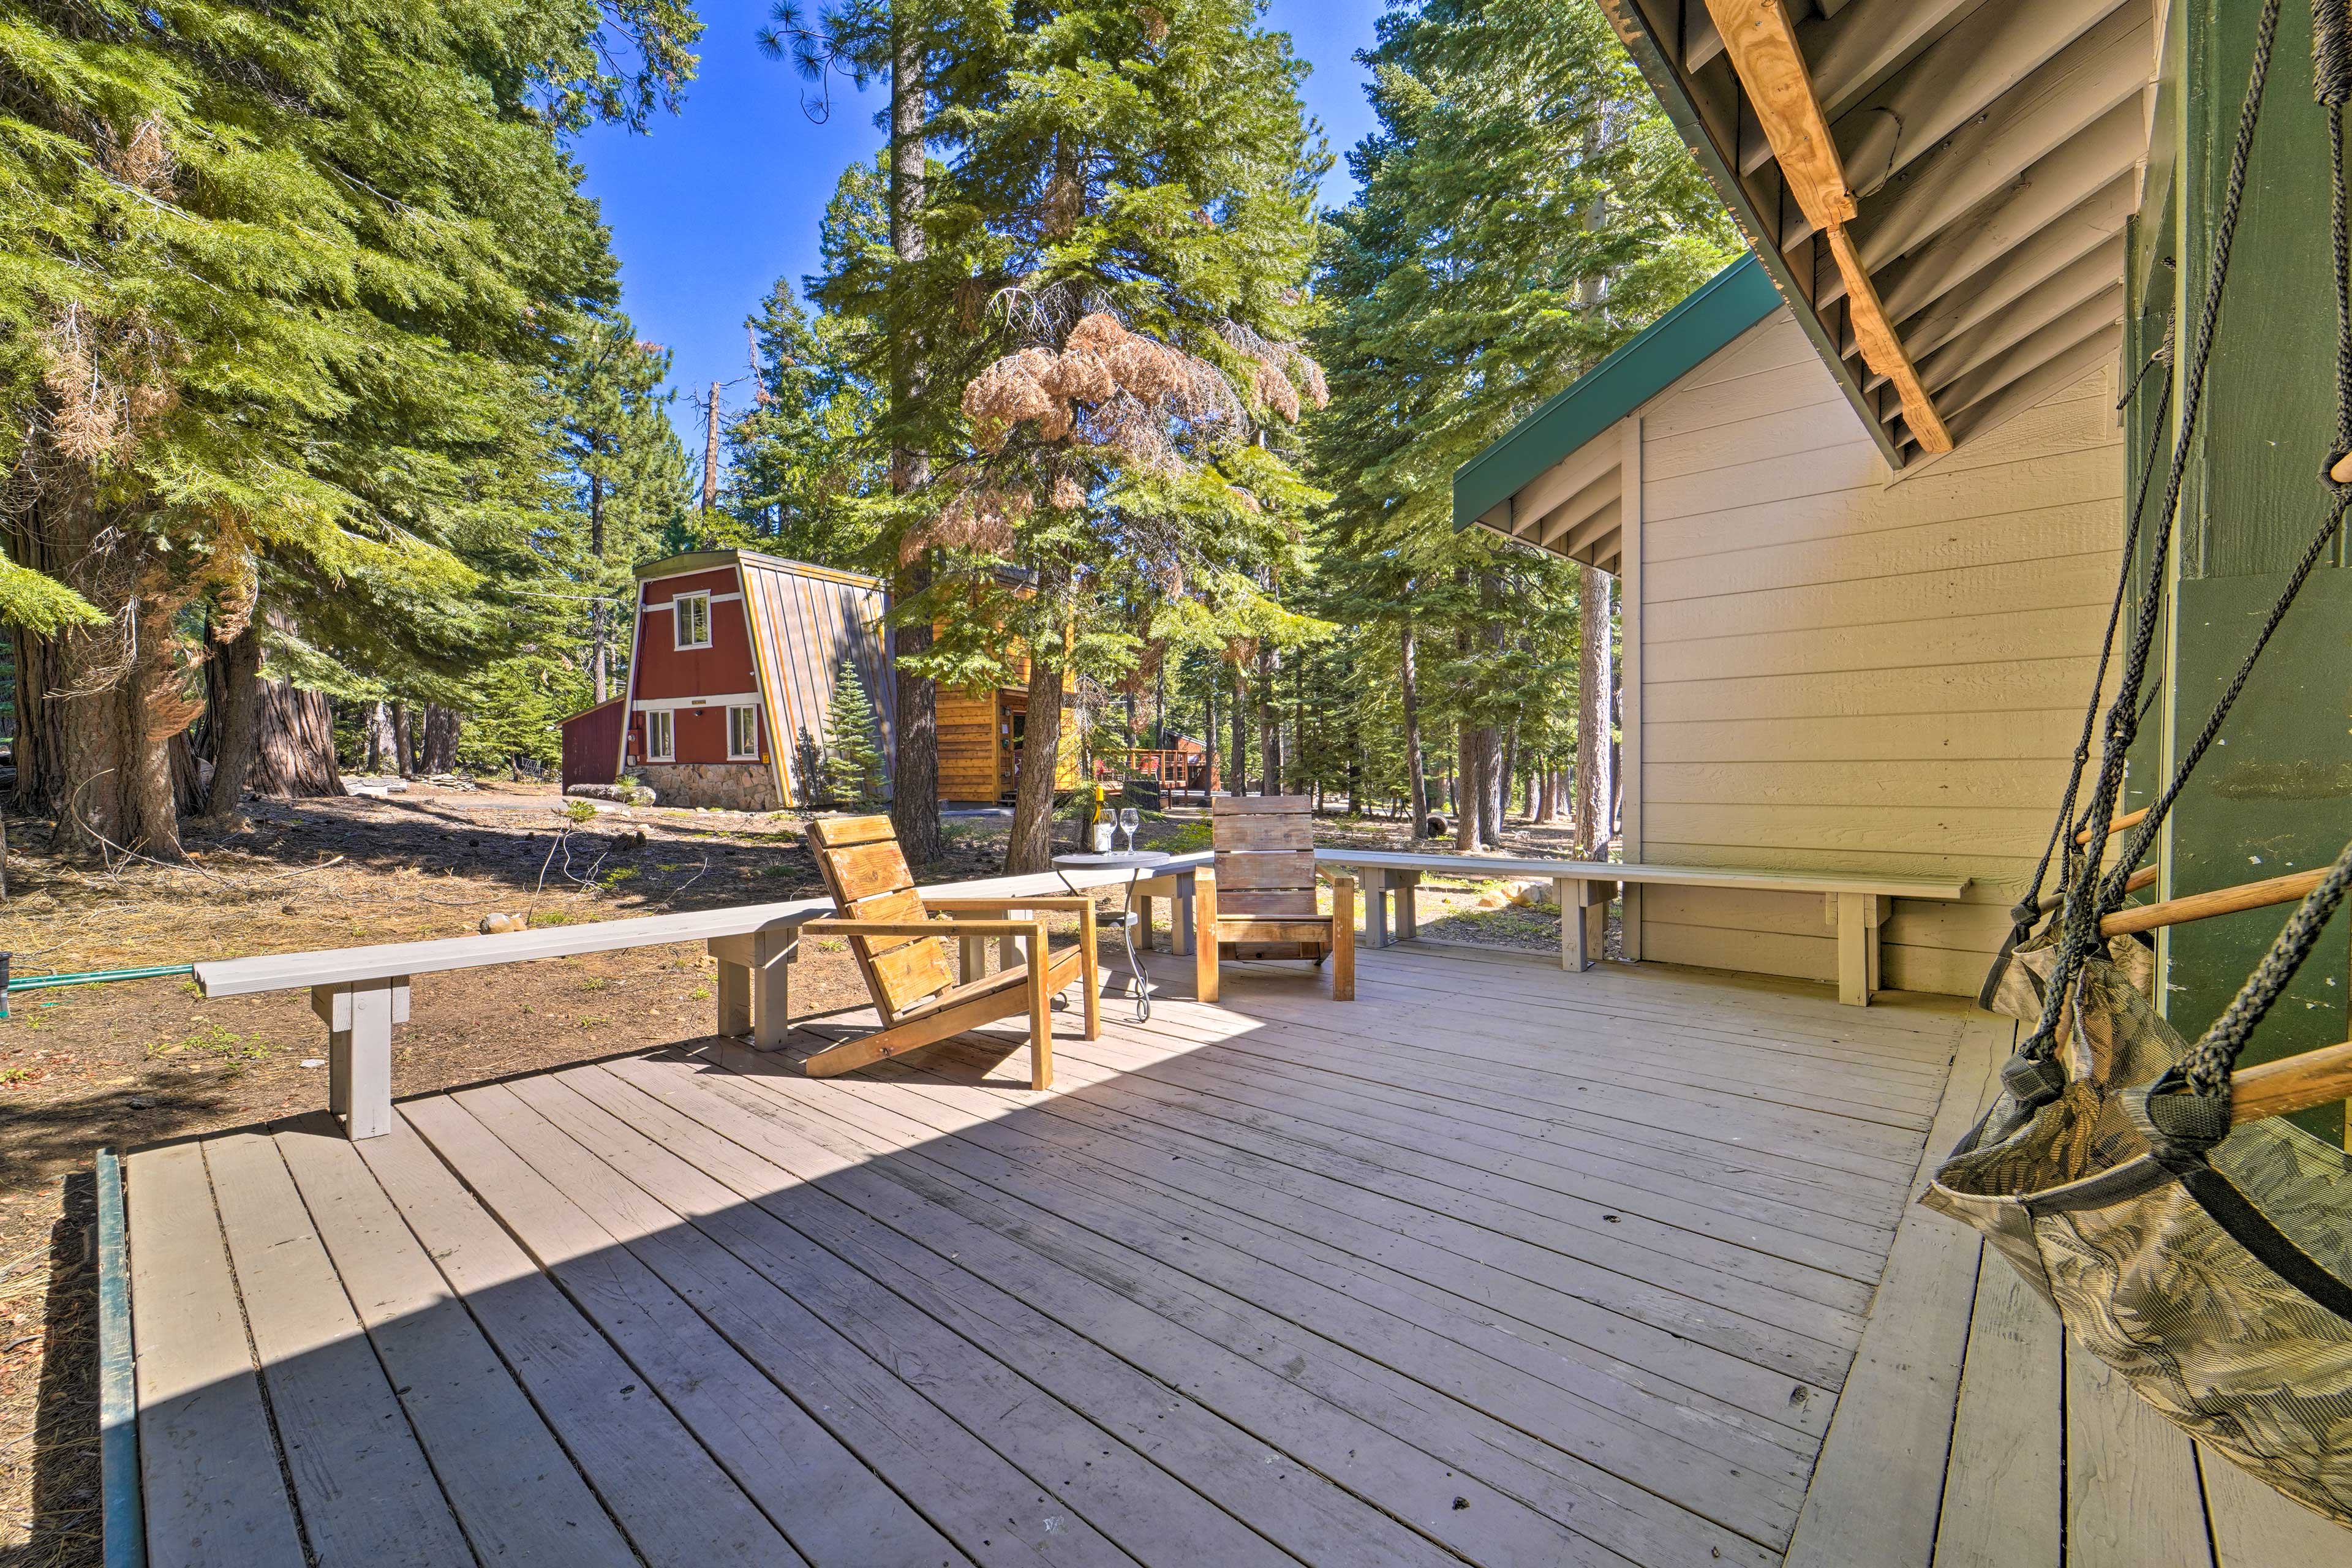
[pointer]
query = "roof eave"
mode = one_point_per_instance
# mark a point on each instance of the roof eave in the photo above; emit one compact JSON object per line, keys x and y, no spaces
{"x":1634,"y":31}
{"x":1706,"y":320}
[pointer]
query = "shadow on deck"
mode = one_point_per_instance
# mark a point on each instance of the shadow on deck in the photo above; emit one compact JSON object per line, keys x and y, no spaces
{"x":1496,"y":1264}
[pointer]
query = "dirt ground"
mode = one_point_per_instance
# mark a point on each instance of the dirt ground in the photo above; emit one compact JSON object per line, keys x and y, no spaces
{"x":131,"y":1063}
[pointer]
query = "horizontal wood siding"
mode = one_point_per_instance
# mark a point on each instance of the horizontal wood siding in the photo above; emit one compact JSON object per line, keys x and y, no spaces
{"x":1846,"y":670}
{"x":967,"y":721}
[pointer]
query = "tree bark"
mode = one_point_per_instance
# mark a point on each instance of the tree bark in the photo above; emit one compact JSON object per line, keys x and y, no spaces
{"x":101,"y":703}
{"x":236,"y":722}
{"x":1209,"y":736}
{"x":1595,"y":679}
{"x":294,"y":743}
{"x":1241,"y":733}
{"x":599,"y":629}
{"x":438,"y":751}
{"x":1416,"y":770}
{"x":1467,"y":794}
{"x":1031,"y":847}
{"x":1269,"y":723}
{"x":378,"y":724}
{"x":915,"y":771}
{"x":404,"y":740}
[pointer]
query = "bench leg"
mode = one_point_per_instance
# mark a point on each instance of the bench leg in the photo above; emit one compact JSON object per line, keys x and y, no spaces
{"x":358,"y":1018}
{"x":1143,"y":923}
{"x":1408,"y":915}
{"x":1376,"y":907}
{"x":1857,"y":940}
{"x":971,"y":957}
{"x":734,"y":990}
{"x":1179,"y":929}
{"x":1628,"y":940}
{"x":1575,"y":931}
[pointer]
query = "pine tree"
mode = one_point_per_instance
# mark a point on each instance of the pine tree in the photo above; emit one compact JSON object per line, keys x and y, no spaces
{"x":1117,"y":252}
{"x":852,"y":745}
{"x":628,"y":475}
{"x":281,"y":288}
{"x":1524,"y":207}
{"x":799,"y":461}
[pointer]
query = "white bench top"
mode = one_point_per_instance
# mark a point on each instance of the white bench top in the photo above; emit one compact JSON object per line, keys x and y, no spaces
{"x":1612,"y":871}
{"x":344,"y":965}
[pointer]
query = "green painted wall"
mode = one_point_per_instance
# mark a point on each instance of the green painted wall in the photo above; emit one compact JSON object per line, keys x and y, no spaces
{"x":2276,"y":796}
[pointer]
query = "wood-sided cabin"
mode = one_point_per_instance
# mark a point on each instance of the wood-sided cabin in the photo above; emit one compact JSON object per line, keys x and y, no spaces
{"x":732,"y":669}
{"x":980,"y":733}
{"x":1863,"y":540}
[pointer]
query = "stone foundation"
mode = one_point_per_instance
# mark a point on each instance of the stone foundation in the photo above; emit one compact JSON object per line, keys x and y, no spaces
{"x":723,"y":786}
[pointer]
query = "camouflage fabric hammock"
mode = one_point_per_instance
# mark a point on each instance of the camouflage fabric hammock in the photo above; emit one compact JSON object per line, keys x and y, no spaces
{"x":2198,"y":1244}
{"x":2142,"y":1245}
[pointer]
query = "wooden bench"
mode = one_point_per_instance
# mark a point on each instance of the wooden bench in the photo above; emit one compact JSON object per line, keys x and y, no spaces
{"x":361,"y":993}
{"x":1857,"y":906}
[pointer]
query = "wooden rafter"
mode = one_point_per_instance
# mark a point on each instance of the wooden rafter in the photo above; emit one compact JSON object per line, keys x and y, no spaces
{"x":1762,"y":43}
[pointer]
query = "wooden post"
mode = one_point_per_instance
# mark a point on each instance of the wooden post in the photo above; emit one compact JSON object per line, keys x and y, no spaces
{"x":1089,"y":969}
{"x":1858,"y":916}
{"x":972,"y":954}
{"x":1142,"y":919}
{"x":1204,"y":935}
{"x":1568,"y":894}
{"x":359,"y":1016}
{"x":1408,"y":915}
{"x":1594,"y":916}
{"x":1041,"y":1018}
{"x":1179,"y":929}
{"x":1376,"y":907}
{"x":1343,"y":938}
{"x":755,"y":985}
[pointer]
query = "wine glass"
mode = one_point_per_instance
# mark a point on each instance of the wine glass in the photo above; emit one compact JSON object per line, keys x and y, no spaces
{"x":1129,"y":819}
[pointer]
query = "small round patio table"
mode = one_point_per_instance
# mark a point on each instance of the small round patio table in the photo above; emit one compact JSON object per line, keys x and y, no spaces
{"x":1134,"y":862}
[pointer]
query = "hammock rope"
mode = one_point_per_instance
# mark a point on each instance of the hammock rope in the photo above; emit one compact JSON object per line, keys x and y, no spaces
{"x":2150,"y":1189}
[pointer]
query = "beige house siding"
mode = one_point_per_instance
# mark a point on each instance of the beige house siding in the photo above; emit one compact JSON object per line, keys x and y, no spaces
{"x":1843,"y":669}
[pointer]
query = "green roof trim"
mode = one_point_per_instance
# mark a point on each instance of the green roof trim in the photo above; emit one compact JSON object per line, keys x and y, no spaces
{"x":1645,"y":364}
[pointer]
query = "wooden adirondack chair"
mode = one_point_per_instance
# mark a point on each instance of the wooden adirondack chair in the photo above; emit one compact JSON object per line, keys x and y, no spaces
{"x":899,"y":940}
{"x":1258,"y":900}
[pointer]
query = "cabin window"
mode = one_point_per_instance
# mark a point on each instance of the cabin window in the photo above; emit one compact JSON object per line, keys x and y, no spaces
{"x":690,"y":613}
{"x":742,"y":734}
{"x":660,"y":744}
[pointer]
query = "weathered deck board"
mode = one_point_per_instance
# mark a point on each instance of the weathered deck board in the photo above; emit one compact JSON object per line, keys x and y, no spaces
{"x":661,"y":1486}
{"x":208,"y":1470}
{"x":488,"y":1443}
{"x":1892,"y":1435}
{"x":1084,"y":1220}
{"x":365,"y":1489}
{"x":1286,"y":1504}
{"x":1339,"y":1442}
{"x":2004,"y":1502}
{"x":1497,"y":1265}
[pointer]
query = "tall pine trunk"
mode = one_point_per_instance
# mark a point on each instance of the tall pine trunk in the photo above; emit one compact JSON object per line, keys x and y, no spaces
{"x":1241,"y":733}
{"x":1594,"y":794}
{"x":236,"y":722}
{"x":100,"y":704}
{"x":1269,"y":723}
{"x":1031,"y":847}
{"x":1209,"y":737}
{"x":294,"y":743}
{"x":1416,"y":772}
{"x":599,"y":615}
{"x":915,"y":747}
{"x":404,"y":740}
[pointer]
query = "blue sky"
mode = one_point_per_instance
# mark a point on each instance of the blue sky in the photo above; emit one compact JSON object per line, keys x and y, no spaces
{"x":713,"y":204}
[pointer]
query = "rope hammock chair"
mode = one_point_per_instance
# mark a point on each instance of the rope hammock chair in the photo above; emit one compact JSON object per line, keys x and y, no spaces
{"x":2146,"y":1187}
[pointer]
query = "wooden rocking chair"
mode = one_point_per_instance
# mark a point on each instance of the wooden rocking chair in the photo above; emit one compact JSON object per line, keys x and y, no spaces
{"x":899,"y":939}
{"x":1258,"y":900}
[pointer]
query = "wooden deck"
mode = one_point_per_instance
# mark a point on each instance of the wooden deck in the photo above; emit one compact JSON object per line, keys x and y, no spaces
{"x":1497,"y":1265}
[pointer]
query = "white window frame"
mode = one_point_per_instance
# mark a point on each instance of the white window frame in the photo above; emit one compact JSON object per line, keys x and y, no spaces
{"x":678,"y":619}
{"x":752,"y":752}
{"x":662,"y":723}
